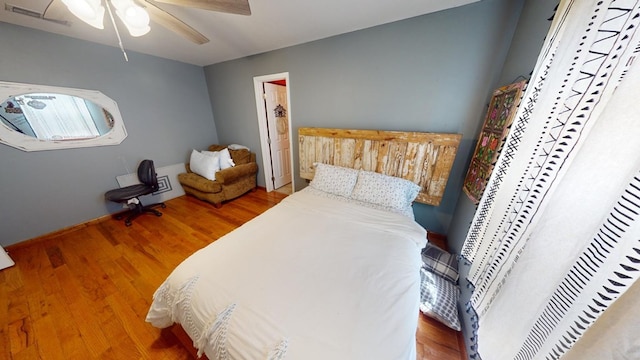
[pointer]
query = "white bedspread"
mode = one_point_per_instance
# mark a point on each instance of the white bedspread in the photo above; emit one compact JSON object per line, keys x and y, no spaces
{"x":311,"y":278}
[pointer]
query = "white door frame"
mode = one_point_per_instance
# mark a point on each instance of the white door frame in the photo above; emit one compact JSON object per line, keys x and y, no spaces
{"x":262,"y":126}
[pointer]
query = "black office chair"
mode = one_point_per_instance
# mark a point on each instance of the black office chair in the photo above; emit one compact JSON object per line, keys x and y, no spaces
{"x":129,"y":194}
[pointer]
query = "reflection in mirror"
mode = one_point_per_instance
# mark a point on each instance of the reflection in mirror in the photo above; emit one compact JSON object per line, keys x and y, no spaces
{"x":36,"y":117}
{"x":55,"y":116}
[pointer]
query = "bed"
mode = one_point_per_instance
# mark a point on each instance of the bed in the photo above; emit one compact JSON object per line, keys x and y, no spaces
{"x":332,"y":272}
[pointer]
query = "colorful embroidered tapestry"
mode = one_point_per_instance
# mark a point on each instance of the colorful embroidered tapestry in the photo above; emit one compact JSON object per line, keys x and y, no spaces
{"x":502,"y":109}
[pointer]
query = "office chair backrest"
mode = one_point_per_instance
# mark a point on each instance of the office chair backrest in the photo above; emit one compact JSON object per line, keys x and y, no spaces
{"x":147,"y":174}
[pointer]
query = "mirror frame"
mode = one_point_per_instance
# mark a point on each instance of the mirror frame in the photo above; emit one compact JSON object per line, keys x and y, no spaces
{"x":27,"y":143}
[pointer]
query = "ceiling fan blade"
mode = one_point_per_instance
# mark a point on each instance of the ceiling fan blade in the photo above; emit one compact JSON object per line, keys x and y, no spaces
{"x":174,"y":24}
{"x":240,"y":7}
{"x":56,"y":10}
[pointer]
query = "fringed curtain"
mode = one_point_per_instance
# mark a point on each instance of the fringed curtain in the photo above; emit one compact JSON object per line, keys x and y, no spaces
{"x":555,"y":240}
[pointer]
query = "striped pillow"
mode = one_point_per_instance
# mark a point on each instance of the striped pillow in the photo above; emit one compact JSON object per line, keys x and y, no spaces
{"x":440,"y":262}
{"x":439,"y":299}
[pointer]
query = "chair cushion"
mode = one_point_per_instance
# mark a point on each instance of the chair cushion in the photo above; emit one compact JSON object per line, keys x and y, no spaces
{"x":242,"y":156}
{"x":216,"y":147}
{"x":198,"y":182}
{"x":124,"y":194}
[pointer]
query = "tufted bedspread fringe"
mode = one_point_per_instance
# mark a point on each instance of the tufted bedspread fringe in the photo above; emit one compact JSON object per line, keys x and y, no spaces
{"x":216,"y":334}
{"x":280,"y":351}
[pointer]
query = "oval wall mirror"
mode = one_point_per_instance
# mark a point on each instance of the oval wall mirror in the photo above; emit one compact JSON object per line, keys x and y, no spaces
{"x":39,"y":117}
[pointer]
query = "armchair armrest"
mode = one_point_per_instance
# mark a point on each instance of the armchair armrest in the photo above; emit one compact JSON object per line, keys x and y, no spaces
{"x":228,"y":176}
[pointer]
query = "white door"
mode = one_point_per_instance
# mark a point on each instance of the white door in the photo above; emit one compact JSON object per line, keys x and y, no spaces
{"x":278,"y":129}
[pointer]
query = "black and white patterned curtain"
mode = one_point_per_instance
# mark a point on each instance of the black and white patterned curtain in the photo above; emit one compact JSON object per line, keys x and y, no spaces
{"x":555,"y":240}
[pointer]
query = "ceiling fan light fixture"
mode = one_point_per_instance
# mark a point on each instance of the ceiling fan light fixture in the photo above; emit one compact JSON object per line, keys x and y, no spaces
{"x":89,"y":11}
{"x":134,"y":17}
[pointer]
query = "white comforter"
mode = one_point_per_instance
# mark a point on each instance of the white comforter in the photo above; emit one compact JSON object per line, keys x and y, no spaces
{"x":311,"y":278}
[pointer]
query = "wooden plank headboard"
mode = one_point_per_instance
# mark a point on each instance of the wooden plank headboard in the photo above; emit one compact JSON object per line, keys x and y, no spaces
{"x":424,"y":158}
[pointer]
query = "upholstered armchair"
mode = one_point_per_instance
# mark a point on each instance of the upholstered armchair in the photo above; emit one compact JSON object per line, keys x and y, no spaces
{"x":229,"y":183}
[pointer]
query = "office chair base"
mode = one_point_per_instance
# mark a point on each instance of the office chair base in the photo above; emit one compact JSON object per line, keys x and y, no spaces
{"x":139,"y":209}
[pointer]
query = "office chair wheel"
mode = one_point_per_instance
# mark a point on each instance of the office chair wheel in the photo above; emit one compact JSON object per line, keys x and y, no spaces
{"x":163,"y":205}
{"x":127,"y":223}
{"x":158,"y":214}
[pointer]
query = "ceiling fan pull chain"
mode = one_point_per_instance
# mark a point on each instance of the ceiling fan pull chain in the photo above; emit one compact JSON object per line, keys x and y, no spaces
{"x":106,"y":2}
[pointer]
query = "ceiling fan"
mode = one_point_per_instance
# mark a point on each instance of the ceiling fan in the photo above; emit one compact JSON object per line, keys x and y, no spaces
{"x":136,"y":14}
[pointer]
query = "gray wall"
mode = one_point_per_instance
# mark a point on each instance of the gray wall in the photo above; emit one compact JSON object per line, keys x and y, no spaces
{"x":166,"y":110}
{"x":532,"y":28}
{"x":429,"y":73}
{"x":525,"y":47}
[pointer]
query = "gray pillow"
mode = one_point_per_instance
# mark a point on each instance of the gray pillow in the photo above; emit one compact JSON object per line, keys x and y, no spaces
{"x":439,"y":299}
{"x":440,"y":262}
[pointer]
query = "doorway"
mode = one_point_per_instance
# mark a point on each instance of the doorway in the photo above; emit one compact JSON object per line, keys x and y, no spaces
{"x":273,"y":108}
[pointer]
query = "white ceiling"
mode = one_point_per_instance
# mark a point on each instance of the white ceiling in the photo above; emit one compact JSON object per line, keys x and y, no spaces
{"x":273,"y":24}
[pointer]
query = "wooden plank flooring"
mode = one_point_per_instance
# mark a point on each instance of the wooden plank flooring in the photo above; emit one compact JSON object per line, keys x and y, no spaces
{"x":84,"y":293}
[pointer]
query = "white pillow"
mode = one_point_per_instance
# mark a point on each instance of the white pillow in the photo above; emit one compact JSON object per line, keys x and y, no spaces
{"x":384,"y":190}
{"x":224,"y":157}
{"x":205,"y":165}
{"x":334,"y":179}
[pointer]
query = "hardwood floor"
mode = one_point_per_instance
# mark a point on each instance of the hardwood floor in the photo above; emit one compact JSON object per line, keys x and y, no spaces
{"x":83,"y":293}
